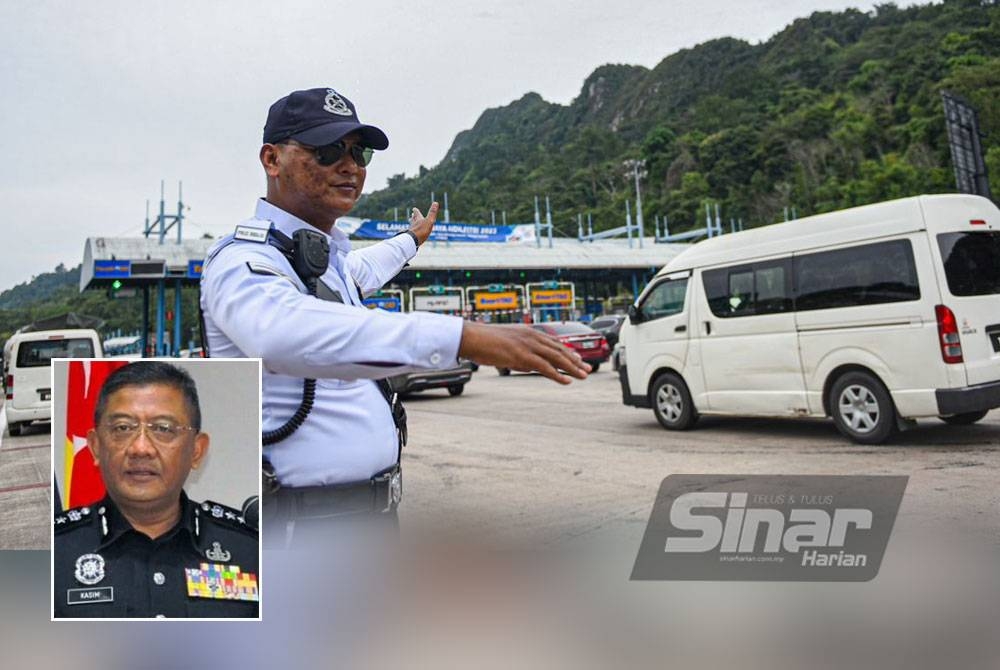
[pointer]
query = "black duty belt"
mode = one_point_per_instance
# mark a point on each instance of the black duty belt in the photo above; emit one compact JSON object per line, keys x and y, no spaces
{"x":380,"y":494}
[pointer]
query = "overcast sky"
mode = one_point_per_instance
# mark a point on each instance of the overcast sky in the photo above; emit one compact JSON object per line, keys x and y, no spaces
{"x":102,"y":100}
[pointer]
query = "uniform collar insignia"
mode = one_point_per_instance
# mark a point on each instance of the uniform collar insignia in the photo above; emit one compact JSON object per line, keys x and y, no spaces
{"x":89,"y":569}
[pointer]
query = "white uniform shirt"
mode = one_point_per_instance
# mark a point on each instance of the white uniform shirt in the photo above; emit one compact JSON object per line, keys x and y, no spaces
{"x":349,"y":436}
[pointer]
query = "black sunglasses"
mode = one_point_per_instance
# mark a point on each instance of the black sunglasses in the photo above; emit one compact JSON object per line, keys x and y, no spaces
{"x":328,"y":154}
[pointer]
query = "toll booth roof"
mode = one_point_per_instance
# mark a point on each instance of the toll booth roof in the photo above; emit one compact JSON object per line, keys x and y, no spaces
{"x":566,"y":253}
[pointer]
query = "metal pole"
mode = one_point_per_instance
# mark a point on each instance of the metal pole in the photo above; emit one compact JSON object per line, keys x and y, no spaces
{"x":628,"y":223}
{"x":638,"y":202}
{"x":538,"y":225}
{"x":548,"y":220}
{"x":447,"y":216}
{"x":177,"y":319}
{"x":144,"y":338}
{"x":162,"y":219}
{"x":161,"y":300}
{"x":180,"y":209}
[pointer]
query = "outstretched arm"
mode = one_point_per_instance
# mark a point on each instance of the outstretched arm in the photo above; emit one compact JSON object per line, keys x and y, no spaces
{"x":520,"y":348}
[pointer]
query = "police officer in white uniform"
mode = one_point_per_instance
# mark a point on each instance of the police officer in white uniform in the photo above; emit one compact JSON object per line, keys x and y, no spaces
{"x":286,"y":287}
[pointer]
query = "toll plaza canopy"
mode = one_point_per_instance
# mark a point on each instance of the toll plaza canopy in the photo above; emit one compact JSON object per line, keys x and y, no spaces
{"x":600,"y":270}
{"x":143,"y":261}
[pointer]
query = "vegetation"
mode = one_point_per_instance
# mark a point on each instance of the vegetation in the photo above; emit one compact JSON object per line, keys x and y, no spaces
{"x":836,"y":110}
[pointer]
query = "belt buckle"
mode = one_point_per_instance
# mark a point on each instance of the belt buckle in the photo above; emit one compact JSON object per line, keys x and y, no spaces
{"x":394,"y":490}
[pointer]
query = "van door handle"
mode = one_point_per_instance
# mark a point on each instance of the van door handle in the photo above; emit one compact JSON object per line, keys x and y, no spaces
{"x":680,"y":329}
{"x":708,"y":327}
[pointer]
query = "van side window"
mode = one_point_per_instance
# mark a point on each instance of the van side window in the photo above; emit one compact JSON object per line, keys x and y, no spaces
{"x":869,"y":274}
{"x":665,"y":299}
{"x":748,"y":290}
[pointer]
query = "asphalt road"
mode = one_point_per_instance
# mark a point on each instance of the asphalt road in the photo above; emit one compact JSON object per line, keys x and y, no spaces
{"x":526,"y":459}
{"x":25,"y":489}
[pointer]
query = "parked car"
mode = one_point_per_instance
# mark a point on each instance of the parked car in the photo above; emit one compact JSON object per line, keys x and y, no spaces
{"x":579,"y":337}
{"x":454,"y":379}
{"x":609,"y":325}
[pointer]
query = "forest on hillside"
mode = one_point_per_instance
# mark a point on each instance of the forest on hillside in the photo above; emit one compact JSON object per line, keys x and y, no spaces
{"x":835,"y":110}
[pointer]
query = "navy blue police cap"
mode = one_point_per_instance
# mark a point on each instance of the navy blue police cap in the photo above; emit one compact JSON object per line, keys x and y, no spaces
{"x":316,"y":117}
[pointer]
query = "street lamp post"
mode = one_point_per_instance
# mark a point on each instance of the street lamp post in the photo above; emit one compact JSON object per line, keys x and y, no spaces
{"x":638,"y":169}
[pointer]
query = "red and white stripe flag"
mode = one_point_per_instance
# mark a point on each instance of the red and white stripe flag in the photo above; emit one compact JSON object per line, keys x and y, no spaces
{"x":82,"y":477}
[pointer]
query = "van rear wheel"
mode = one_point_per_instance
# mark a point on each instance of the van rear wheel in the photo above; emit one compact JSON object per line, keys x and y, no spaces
{"x":965,"y":418}
{"x":672,"y":402}
{"x":15,"y":428}
{"x":862,"y":408}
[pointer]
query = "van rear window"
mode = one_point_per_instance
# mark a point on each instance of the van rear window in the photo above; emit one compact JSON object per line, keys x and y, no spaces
{"x":39,"y":353}
{"x":971,"y":262}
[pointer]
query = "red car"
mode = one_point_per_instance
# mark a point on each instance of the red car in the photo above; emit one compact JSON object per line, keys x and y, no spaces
{"x":581,"y":338}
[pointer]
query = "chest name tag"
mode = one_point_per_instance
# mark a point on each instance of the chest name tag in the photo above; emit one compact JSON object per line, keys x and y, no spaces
{"x":103,"y":594}
{"x":250,"y":234}
{"x":221,"y":582}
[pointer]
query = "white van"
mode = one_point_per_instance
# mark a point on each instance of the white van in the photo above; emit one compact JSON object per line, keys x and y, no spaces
{"x":27,"y":363}
{"x":875,"y":316}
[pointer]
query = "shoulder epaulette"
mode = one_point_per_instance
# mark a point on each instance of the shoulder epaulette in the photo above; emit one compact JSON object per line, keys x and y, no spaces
{"x":224,"y":516}
{"x":72,"y":518}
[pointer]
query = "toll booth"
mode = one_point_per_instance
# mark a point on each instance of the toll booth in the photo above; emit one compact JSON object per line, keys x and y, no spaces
{"x":389,"y":299}
{"x":551,"y":300}
{"x":437,"y":298}
{"x":496,"y":303}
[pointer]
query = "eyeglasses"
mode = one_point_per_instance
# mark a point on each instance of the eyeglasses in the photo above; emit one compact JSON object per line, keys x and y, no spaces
{"x":328,"y":154}
{"x":122,"y":433}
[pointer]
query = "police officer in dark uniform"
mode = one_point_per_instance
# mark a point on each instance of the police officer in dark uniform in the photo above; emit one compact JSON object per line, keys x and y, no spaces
{"x":146,"y":550}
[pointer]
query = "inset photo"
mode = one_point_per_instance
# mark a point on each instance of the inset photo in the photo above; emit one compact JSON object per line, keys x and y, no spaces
{"x":156,"y":483}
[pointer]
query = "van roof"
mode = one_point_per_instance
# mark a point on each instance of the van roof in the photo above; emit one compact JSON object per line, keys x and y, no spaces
{"x":858,"y":223}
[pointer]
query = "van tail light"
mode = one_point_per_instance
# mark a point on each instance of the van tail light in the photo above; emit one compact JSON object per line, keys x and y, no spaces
{"x":948,"y":338}
{"x":10,"y":387}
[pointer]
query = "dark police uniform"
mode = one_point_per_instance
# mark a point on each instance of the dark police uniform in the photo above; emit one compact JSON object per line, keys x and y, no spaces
{"x":205,"y":566}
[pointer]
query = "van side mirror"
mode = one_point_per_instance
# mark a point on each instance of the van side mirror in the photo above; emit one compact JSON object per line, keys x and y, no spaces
{"x":634,"y":315}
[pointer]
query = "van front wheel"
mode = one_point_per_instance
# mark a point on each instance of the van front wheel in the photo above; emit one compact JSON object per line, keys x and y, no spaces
{"x":862,"y":408}
{"x":672,"y":402}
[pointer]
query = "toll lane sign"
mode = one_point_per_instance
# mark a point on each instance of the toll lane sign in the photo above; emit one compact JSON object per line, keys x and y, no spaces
{"x":552,"y":297}
{"x":505,"y":300}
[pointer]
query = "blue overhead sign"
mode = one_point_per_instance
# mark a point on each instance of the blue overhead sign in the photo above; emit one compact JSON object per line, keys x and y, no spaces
{"x":194,"y":269}
{"x":112,"y":269}
{"x":445,"y":232}
{"x":388,"y":303}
